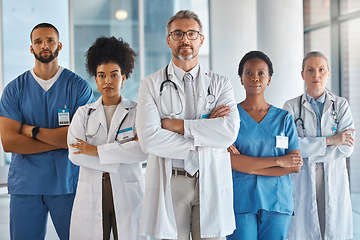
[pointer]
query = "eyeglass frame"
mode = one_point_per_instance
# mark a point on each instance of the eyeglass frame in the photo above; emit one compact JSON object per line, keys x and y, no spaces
{"x":184,"y":33}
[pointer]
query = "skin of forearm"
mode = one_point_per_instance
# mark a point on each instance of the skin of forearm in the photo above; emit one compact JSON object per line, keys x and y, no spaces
{"x":24,"y":145}
{"x":56,"y":137}
{"x":247,"y":164}
{"x":276,"y":171}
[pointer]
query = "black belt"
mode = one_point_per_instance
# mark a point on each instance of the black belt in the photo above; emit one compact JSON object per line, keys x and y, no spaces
{"x":180,"y":172}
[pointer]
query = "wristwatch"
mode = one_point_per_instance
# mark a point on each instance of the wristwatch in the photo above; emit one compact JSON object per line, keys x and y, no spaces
{"x":35,"y":131}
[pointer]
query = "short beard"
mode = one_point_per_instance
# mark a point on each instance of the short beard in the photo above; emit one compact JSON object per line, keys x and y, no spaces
{"x":177,"y":55}
{"x":181,"y":58}
{"x":49,"y":59}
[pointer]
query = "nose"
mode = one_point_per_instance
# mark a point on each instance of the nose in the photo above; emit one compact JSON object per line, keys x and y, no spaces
{"x":316,"y":73}
{"x":184,"y":38}
{"x":255,"y":78}
{"x":45,"y":46}
{"x":107,"y":80}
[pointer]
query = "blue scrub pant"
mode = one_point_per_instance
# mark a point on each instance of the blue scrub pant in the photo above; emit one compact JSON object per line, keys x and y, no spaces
{"x":28,"y":215}
{"x":261,"y":225}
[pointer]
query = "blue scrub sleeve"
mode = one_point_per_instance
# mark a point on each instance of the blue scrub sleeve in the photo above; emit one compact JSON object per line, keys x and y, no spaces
{"x":9,"y":103}
{"x":291,"y":133}
{"x":84,"y":94}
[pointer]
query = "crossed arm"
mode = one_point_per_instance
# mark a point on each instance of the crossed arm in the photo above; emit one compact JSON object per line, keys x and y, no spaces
{"x":266,"y":166}
{"x":17,"y":137}
{"x":177,"y":125}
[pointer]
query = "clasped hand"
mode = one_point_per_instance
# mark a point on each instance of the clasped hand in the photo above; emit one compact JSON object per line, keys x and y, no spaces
{"x":85,"y":148}
{"x":343,"y":138}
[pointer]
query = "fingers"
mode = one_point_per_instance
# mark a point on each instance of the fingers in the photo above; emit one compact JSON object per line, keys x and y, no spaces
{"x":296,"y":160}
{"x":291,"y":160}
{"x":232,"y":149}
{"x":220,"y":111}
{"x":349,"y":141}
{"x":349,"y":131}
{"x":80,"y":140}
{"x":79,"y":145}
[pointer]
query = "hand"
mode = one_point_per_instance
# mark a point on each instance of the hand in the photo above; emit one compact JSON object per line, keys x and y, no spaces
{"x":220,"y":111}
{"x":136,"y":139}
{"x":26,"y":130}
{"x":232,"y":149}
{"x":85,"y":148}
{"x":343,"y":138}
{"x":290,"y":160}
{"x":174,"y":125}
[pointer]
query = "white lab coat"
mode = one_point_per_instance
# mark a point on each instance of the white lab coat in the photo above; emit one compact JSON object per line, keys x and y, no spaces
{"x":338,"y":212}
{"x":210,"y":136}
{"x":122,"y":161}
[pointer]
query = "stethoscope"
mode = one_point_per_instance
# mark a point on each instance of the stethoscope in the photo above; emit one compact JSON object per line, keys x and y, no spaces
{"x":210,"y":98}
{"x":299,"y":119}
{"x":88,"y":135}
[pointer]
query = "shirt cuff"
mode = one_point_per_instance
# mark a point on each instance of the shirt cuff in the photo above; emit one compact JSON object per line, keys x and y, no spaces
{"x":187,"y":131}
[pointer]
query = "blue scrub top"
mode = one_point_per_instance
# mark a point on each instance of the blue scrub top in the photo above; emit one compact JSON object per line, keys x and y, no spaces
{"x":254,"y":192}
{"x":24,"y":100}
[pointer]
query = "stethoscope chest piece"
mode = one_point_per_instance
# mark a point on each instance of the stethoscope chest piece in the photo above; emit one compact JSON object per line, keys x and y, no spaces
{"x":210,"y":98}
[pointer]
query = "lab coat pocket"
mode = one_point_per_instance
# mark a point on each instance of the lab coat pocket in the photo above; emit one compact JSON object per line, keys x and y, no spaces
{"x":223,"y":166}
{"x":135,"y":195}
{"x":83,"y":203}
{"x":340,"y":187}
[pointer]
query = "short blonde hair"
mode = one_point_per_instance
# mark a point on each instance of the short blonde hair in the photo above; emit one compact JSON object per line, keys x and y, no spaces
{"x":314,"y":54}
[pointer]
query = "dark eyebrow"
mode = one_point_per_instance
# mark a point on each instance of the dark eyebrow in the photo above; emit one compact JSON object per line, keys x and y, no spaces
{"x":45,"y":38}
{"x":110,"y":72}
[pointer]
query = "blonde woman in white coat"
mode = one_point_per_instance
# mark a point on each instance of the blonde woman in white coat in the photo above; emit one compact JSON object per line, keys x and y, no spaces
{"x":102,"y":141}
{"x":325,"y":127}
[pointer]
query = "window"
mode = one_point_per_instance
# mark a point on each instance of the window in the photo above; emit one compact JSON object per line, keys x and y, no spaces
{"x":141,"y":23}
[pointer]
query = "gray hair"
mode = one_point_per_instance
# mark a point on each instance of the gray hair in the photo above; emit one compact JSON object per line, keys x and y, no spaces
{"x":183,"y":14}
{"x":314,"y":54}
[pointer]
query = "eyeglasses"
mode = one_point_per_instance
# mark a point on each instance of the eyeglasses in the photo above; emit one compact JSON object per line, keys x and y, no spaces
{"x":178,"y":35}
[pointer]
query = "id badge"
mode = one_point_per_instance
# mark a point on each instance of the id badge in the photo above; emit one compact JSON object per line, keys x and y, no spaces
{"x":126,"y":133}
{"x":205,"y":114}
{"x":282,"y":141}
{"x":64,"y":117}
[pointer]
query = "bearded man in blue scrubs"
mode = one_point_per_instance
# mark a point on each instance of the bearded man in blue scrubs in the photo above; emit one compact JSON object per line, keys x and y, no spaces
{"x":36,"y":109}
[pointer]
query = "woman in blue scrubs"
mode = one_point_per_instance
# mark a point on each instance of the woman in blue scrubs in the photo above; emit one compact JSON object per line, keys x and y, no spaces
{"x":265,"y":152}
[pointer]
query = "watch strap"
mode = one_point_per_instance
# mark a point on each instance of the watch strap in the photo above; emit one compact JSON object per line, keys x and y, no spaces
{"x":35,"y":131}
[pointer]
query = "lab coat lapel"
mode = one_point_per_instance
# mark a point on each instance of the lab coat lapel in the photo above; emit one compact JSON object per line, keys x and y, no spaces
{"x":306,"y":104}
{"x":119,"y":115}
{"x":328,"y":102}
{"x":98,"y":114}
{"x":180,"y":85}
{"x":203,"y":83}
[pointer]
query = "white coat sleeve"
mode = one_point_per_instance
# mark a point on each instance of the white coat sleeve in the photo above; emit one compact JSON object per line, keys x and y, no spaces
{"x":216,"y":132}
{"x":112,"y":153}
{"x":154,"y":139}
{"x":77,"y":130}
{"x":315,"y":149}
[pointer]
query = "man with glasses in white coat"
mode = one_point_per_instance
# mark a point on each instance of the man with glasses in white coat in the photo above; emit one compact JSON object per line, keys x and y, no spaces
{"x":186,"y":119}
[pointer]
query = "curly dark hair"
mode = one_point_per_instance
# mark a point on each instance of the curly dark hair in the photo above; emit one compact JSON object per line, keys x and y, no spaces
{"x":255,"y":54}
{"x":105,"y":50}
